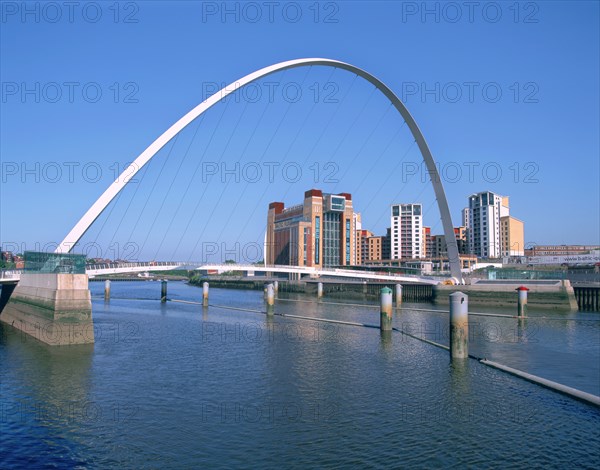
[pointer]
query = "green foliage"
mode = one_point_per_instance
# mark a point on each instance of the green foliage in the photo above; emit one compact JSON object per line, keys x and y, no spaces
{"x":7,"y":265}
{"x":232,"y":273}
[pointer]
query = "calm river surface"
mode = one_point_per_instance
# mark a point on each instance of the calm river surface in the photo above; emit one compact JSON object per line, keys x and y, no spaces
{"x":173,"y":386}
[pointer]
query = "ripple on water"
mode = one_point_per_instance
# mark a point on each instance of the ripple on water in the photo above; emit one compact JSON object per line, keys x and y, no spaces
{"x":173,"y":386}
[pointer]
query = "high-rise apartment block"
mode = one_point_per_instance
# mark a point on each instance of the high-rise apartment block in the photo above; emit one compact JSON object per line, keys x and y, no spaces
{"x":364,"y":245}
{"x":374,"y":245}
{"x":491,"y":231}
{"x":324,"y":231}
{"x":406,"y":232}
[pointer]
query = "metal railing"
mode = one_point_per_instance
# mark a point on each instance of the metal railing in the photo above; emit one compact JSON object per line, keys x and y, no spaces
{"x":132,"y":264}
{"x":10,"y":274}
{"x":15,"y":274}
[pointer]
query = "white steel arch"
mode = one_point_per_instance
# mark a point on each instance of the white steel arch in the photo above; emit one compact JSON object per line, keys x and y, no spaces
{"x":104,"y":200}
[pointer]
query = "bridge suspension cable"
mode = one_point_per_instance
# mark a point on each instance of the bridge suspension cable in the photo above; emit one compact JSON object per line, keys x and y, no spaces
{"x":231,"y":211}
{"x":204,"y":190}
{"x":98,"y":207}
{"x":362,"y":147}
{"x":390,"y":174}
{"x":192,"y":180}
{"x":283,"y":159}
{"x":200,"y":160}
{"x":146,"y":200}
{"x":260,"y":160}
{"x":339,"y":145}
{"x":162,"y":204}
{"x":327,"y":125}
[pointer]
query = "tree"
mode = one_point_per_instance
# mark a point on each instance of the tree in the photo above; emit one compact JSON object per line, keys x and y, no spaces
{"x":6,"y":265}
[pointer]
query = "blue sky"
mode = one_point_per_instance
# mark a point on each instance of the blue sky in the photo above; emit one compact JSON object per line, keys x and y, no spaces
{"x":507,"y":98}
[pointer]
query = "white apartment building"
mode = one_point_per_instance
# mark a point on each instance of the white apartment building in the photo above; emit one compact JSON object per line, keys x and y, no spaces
{"x":465,"y":217}
{"x":406,"y":235}
{"x":483,"y":216}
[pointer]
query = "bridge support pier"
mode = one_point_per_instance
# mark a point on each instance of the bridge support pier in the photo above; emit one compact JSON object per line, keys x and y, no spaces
{"x":385,"y":313}
{"x":270,"y":299}
{"x":522,"y":302}
{"x":205,"y":294}
{"x":7,"y":290}
{"x":55,"y":309}
{"x":107,"y":290}
{"x":398,"y":296}
{"x":163,"y":291}
{"x":459,"y":325}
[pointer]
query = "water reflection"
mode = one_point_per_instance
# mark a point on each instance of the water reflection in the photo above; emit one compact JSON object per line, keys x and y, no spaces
{"x":386,"y":340}
{"x":58,"y":372}
{"x":521,"y":330}
{"x":45,"y":388}
{"x":220,"y":388}
{"x":460,"y":377}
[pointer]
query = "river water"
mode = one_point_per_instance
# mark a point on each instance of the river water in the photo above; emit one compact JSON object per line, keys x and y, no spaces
{"x":175,"y":386}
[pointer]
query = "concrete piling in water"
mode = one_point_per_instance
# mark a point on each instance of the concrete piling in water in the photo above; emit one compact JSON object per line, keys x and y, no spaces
{"x":163,"y":291}
{"x":459,"y":325}
{"x":53,"y":308}
{"x":107,"y":289}
{"x":319,"y":290}
{"x":270,"y":299}
{"x":398,"y":296}
{"x":385,"y":311}
{"x":205,"y":294}
{"x":522,"y":301}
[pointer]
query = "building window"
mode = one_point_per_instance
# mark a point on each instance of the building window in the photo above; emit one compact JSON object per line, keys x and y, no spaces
{"x":305,"y":244}
{"x":338,"y":203}
{"x":347,"y":241}
{"x":332,"y":239}
{"x":317,"y":238}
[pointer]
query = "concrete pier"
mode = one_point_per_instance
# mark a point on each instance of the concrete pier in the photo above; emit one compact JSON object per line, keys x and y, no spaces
{"x":319,"y":290}
{"x":54,"y":308}
{"x":459,"y":325}
{"x":398,"y":296}
{"x":546,"y":294}
{"x":163,"y":290}
{"x":107,"y":289}
{"x":205,"y":294}
{"x":522,"y":301}
{"x":270,"y":299}
{"x":385,"y":311}
{"x":5,"y":293}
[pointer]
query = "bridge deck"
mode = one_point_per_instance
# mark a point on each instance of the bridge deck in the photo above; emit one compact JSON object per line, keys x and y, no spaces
{"x":12,"y":276}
